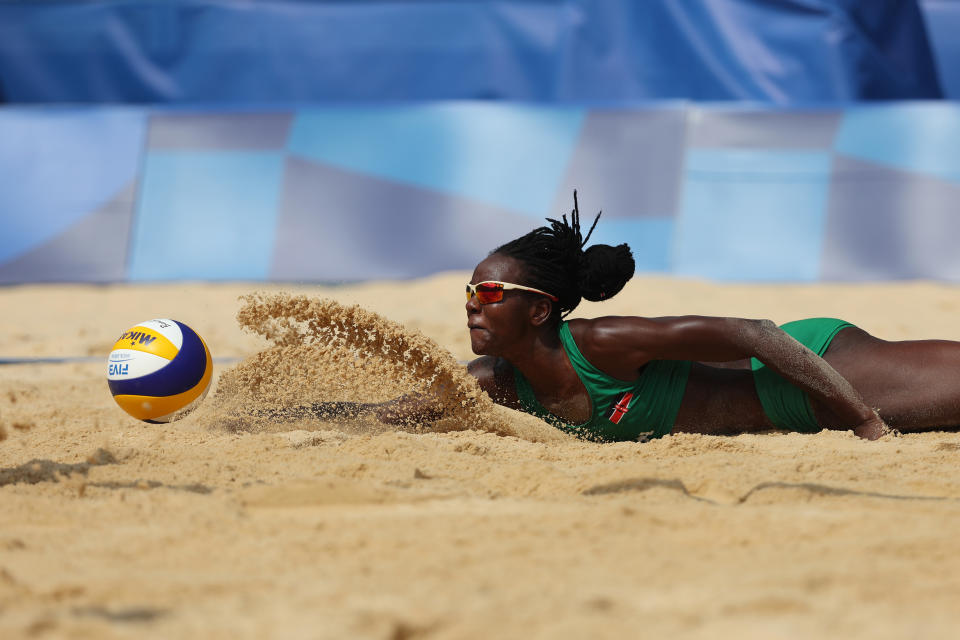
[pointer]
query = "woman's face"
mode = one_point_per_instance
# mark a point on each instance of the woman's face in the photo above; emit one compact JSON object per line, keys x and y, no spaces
{"x":498,"y":326}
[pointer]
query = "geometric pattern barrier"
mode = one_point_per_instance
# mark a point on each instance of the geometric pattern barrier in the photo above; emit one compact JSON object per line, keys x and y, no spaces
{"x":338,"y":194}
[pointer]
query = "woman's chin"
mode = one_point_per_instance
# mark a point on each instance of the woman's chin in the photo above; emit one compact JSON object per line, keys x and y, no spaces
{"x":478,"y":343}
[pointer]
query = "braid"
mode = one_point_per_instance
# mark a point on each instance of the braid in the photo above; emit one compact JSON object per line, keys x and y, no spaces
{"x":557,"y":263}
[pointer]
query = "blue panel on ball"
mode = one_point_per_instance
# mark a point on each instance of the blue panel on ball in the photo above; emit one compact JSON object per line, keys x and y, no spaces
{"x":182,"y":374}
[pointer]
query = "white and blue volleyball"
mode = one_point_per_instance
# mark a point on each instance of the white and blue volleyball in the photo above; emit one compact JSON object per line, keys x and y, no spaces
{"x":159,"y":370}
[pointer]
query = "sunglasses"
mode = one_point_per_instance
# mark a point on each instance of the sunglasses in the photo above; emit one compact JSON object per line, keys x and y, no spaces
{"x":492,"y":291}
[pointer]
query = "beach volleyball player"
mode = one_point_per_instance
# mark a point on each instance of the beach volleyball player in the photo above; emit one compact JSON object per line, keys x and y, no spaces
{"x":634,"y":378}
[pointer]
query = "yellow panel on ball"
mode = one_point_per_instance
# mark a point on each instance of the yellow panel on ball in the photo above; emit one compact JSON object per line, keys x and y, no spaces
{"x":147,"y":340}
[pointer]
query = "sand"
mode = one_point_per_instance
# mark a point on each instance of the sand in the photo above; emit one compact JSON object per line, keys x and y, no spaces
{"x":111,"y":528}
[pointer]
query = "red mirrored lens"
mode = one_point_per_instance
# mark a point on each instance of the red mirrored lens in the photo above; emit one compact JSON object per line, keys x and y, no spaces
{"x":487,"y":293}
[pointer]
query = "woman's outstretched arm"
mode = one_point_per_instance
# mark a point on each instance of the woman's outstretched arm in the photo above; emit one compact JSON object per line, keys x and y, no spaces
{"x":409,"y":409}
{"x":706,"y":339}
{"x":413,"y":408}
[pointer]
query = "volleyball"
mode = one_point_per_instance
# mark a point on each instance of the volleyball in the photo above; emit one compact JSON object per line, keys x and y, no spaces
{"x":159,"y":370}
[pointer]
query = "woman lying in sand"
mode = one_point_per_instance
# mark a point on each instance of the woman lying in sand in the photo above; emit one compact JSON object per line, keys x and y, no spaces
{"x":634,"y":378}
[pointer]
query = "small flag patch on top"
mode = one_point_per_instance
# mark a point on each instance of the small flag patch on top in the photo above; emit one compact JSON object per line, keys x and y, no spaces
{"x":620,"y":407}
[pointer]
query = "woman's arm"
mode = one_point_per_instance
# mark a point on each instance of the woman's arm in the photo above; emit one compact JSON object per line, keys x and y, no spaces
{"x":405,"y":410}
{"x":495,"y":376}
{"x":412,"y":408}
{"x":708,"y":339}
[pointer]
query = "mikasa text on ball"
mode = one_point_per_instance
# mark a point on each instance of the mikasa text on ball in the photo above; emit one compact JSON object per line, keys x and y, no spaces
{"x":159,"y":370}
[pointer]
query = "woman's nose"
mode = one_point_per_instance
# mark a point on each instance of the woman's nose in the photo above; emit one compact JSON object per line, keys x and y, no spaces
{"x":473,"y":305}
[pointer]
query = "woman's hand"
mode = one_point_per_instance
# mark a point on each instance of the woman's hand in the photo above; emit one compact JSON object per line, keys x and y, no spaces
{"x":873,"y":428}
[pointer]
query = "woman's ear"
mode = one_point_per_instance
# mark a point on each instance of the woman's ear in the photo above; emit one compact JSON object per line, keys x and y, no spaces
{"x":540,"y":311}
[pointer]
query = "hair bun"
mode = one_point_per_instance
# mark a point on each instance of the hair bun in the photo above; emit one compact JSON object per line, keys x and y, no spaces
{"x":605,"y":270}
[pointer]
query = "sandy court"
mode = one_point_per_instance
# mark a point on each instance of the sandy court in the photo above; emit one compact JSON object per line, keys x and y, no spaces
{"x":112,"y":528}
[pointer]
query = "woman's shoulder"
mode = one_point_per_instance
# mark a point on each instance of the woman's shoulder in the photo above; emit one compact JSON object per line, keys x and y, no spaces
{"x":495,"y":376}
{"x":614,"y":331}
{"x":607,"y":331}
{"x":617,"y":345}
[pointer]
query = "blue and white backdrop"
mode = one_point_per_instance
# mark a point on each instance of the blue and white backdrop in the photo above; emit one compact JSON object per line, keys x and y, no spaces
{"x":349,"y":193}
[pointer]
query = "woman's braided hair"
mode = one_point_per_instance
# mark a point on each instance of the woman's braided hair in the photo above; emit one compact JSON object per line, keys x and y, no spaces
{"x":556,"y":262}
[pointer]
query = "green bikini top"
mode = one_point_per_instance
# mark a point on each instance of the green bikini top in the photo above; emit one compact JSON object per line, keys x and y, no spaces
{"x":637,"y":410}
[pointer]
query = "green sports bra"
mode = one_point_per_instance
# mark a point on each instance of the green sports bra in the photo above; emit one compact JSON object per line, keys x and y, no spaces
{"x":637,"y":410}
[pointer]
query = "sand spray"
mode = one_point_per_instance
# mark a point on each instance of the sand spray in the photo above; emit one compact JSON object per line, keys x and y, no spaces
{"x":323,"y":353}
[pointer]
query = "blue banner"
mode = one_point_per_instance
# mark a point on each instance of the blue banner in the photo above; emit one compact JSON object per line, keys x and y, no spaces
{"x":942,"y":18}
{"x":554,"y":51}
